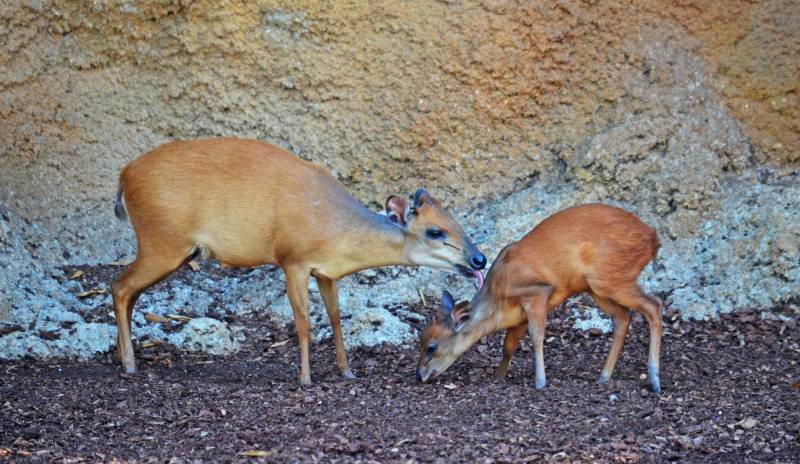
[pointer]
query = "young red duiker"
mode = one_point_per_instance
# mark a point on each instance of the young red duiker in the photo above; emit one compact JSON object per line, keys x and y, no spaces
{"x":593,"y":248}
{"x":249,"y":203}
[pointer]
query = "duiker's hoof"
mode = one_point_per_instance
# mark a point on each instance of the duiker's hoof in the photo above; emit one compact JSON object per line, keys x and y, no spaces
{"x":502,"y":371}
{"x":655,"y":378}
{"x":656,"y":386}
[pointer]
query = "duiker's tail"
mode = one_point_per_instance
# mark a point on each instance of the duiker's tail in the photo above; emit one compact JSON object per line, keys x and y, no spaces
{"x":657,"y":266}
{"x":119,"y":207}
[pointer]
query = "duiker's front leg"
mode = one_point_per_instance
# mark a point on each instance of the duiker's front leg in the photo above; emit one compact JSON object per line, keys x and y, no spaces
{"x":535,"y":309}
{"x":510,"y":344}
{"x":297,"y":290}
{"x":330,"y":295}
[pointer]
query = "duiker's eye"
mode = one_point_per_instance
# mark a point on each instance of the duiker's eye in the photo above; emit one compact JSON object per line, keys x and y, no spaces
{"x":435,"y":234}
{"x":432,"y":348}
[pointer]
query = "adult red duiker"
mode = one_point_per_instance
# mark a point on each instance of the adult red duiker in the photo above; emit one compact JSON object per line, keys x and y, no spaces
{"x":249,"y":203}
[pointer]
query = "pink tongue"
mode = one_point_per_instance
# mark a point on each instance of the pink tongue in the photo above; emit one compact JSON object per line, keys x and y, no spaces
{"x":478,"y":275}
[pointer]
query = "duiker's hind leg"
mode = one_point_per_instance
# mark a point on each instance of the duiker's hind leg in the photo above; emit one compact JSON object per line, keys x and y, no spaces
{"x":297,"y":291}
{"x":149,"y":268}
{"x":622,"y":320}
{"x":510,"y":344}
{"x":649,"y":307}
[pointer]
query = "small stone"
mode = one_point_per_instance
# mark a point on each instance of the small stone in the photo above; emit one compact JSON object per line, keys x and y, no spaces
{"x":748,"y":423}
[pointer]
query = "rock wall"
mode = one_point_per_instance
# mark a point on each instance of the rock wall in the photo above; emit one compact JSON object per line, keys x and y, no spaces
{"x":687,"y":113}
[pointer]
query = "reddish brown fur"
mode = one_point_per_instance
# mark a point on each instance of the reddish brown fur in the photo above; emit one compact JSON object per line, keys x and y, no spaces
{"x":592,"y":248}
{"x":248,"y":203}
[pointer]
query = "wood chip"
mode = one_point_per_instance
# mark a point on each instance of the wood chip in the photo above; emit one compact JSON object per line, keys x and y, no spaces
{"x":193,"y":264}
{"x":91,"y":292}
{"x":76,"y":275}
{"x":422,"y":298}
{"x":275,"y":345}
{"x":154,"y":342}
{"x":179,"y":317}
{"x":255,"y":453}
{"x":450,"y":386}
{"x":156,"y":318}
{"x":120,"y":262}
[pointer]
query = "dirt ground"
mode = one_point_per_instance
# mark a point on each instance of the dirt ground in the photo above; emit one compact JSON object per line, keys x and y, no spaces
{"x":731,"y":394}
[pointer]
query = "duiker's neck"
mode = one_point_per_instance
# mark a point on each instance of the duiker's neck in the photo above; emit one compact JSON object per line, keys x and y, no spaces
{"x":487,"y":317}
{"x":369,"y":240}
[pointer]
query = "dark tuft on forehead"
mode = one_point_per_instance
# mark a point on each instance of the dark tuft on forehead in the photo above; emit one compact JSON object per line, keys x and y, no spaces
{"x":436,"y":330}
{"x":434,"y":202}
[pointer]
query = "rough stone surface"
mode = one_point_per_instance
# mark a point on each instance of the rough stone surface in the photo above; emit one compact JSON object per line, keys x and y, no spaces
{"x":206,"y":334}
{"x":373,"y":327}
{"x":687,"y":113}
{"x":592,"y":318}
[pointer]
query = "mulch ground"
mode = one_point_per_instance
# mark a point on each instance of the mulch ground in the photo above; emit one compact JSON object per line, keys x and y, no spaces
{"x":731,"y":394}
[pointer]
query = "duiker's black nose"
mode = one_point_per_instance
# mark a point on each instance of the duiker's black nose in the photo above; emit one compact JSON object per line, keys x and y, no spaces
{"x":478,"y":261}
{"x":419,"y":377}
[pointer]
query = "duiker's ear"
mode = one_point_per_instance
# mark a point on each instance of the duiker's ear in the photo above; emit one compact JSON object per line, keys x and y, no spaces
{"x":460,"y":315}
{"x":421,"y":197}
{"x":397,"y":210}
{"x":447,"y":303}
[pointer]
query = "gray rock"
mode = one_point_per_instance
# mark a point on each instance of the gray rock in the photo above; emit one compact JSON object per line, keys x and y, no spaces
{"x":82,"y":341}
{"x":206,"y":334}
{"x":371,"y":328}
{"x":85,"y":340}
{"x":592,"y":318}
{"x":20,"y":344}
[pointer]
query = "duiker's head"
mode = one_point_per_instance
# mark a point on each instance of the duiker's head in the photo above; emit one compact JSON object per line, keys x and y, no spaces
{"x":434,"y":238}
{"x":440,"y":344}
